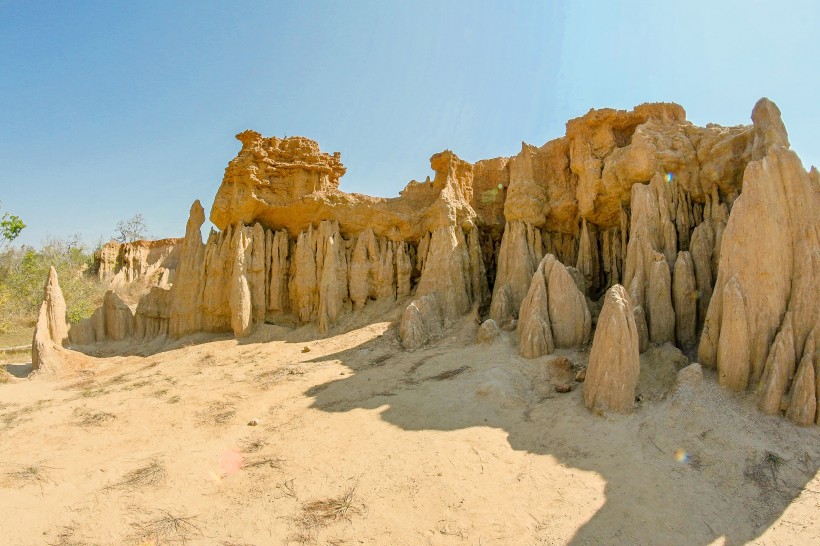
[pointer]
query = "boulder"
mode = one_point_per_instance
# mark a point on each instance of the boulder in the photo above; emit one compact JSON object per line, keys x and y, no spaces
{"x":488,"y":332}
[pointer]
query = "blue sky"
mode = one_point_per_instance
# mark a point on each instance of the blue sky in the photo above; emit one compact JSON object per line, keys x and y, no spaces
{"x":112,"y":108}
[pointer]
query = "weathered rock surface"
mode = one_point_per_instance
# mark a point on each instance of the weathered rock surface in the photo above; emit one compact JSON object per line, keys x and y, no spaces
{"x":152,"y":314}
{"x":614,"y":362}
{"x":421,"y":322}
{"x":51,"y":331}
{"x":554,"y":313}
{"x":802,"y":409}
{"x":690,"y":376}
{"x":121,"y":263}
{"x":765,"y":303}
{"x":685,"y":294}
{"x":185,"y":315}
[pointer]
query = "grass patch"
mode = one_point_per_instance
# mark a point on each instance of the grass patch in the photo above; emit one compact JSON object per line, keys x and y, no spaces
{"x":174,"y":399}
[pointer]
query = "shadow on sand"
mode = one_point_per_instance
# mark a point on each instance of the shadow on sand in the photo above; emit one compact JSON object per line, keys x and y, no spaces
{"x":19,"y":371}
{"x":700,"y":457}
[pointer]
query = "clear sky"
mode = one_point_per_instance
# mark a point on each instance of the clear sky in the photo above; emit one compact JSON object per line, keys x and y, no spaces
{"x":112,"y":108}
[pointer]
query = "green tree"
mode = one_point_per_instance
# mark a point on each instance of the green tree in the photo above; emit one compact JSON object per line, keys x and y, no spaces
{"x":23,"y":271}
{"x":10,"y":227}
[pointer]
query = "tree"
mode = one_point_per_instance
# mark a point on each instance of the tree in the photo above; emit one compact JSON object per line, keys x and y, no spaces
{"x":131,"y":230}
{"x":10,"y":228}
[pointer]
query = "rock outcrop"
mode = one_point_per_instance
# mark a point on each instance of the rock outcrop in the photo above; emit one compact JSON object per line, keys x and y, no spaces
{"x":554,"y":313}
{"x":51,"y":330}
{"x":122,"y":263}
{"x":678,"y":234}
{"x":765,"y":306}
{"x":614,"y":361}
{"x":114,"y":320}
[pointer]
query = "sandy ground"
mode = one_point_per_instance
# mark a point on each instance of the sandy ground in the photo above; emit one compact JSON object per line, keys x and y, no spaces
{"x":358,"y":442}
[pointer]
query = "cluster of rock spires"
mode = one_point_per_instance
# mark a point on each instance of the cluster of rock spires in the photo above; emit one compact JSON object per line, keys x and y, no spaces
{"x":654,"y":229}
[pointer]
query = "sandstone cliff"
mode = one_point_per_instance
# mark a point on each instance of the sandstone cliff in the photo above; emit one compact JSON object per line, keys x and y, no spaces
{"x":121,"y":263}
{"x":710,"y":235}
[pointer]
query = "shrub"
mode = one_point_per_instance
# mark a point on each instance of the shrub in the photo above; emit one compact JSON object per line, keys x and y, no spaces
{"x":23,"y":272}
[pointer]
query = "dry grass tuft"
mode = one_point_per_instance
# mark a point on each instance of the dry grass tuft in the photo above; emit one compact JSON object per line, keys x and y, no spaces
{"x":116,"y":380}
{"x":764,"y":473}
{"x":5,"y":376}
{"x":67,"y":536}
{"x":219,"y":413}
{"x":81,"y":385}
{"x":84,"y":418}
{"x":321,"y":513}
{"x":167,"y":528}
{"x":256,"y":462}
{"x":173,"y":399}
{"x":151,"y":474}
{"x":208,"y":360}
{"x":137,"y":385}
{"x":93,"y":393}
{"x":13,"y":418}
{"x":251,"y":444}
{"x":267,"y":379}
{"x":30,"y":474}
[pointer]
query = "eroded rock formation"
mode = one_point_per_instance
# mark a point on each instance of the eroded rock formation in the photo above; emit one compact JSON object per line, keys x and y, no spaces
{"x":51,"y":331}
{"x":614,"y":361}
{"x":554,"y":313}
{"x":676,"y":233}
{"x":764,"y":307}
{"x":120,"y":263}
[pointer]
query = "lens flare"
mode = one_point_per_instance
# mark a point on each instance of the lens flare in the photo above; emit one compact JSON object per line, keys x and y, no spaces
{"x":669,"y":177}
{"x":681,"y":456}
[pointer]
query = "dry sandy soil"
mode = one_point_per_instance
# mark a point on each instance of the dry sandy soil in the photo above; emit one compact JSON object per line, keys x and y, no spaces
{"x":358,"y":442}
